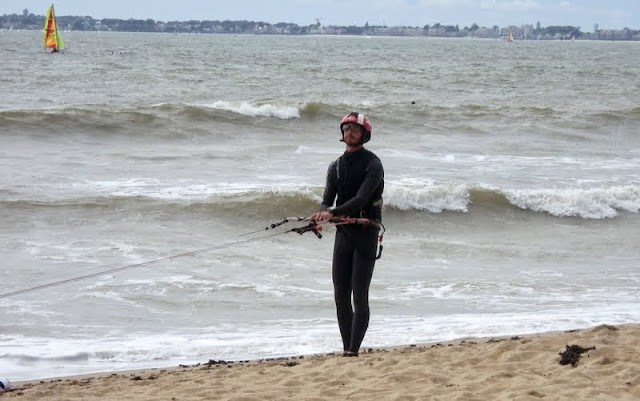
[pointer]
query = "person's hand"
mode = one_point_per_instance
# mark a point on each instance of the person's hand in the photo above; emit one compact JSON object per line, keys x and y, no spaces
{"x":320,"y":217}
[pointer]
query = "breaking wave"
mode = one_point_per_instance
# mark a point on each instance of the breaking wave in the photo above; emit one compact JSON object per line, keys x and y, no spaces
{"x":100,"y":119}
{"x":283,"y":112}
{"x":586,"y":203}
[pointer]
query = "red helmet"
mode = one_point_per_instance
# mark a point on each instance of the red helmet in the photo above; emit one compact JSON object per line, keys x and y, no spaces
{"x":360,"y":119}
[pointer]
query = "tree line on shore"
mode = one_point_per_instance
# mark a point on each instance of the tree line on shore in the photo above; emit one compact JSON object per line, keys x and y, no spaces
{"x":30,"y":21}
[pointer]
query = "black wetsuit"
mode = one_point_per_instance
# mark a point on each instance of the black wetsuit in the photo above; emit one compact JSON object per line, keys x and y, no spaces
{"x":357,"y":179}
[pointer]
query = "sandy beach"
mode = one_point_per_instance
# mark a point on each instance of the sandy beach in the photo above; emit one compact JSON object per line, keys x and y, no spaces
{"x":520,"y":368}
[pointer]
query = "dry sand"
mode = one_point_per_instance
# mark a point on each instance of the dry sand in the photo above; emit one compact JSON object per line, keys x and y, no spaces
{"x":517,"y":368}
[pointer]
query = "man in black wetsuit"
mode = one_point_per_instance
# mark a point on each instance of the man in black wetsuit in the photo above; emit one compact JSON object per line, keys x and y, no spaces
{"x":357,"y":179}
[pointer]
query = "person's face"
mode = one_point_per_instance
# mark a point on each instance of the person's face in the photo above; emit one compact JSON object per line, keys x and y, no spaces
{"x":352,"y":134}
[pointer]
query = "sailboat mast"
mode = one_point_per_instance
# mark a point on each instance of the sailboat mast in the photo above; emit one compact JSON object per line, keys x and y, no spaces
{"x":49,"y":28}
{"x":52,"y":38}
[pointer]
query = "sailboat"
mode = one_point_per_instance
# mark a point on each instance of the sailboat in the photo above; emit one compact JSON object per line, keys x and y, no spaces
{"x":52,"y":38}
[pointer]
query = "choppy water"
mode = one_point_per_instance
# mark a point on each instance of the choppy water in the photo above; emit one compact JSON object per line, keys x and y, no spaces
{"x":511,"y":199}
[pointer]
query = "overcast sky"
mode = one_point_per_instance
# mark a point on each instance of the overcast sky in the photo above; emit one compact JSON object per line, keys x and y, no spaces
{"x":615,"y":14}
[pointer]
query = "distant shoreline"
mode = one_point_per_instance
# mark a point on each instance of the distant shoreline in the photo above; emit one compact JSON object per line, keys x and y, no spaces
{"x":522,"y":32}
{"x":471,"y":38}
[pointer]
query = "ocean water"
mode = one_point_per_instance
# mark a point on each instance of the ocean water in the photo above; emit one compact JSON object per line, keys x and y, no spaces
{"x":511,"y":200}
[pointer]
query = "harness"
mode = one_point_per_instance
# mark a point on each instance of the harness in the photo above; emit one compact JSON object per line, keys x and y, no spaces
{"x":349,"y":176}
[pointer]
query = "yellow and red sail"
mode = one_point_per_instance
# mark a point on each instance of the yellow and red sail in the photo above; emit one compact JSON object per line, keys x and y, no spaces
{"x":52,"y":38}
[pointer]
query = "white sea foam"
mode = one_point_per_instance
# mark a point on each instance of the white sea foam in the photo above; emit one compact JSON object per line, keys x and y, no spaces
{"x":428,"y":197}
{"x":263,"y":110}
{"x":590,"y":203}
{"x":446,"y":326}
